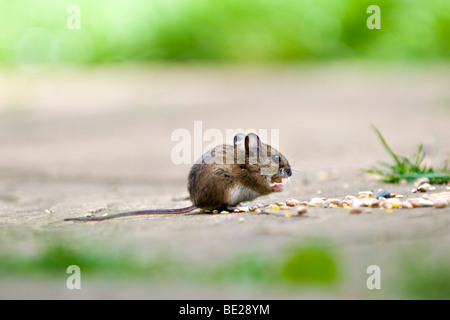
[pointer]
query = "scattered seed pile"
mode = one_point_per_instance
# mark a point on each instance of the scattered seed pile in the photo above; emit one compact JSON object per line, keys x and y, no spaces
{"x":384,"y":199}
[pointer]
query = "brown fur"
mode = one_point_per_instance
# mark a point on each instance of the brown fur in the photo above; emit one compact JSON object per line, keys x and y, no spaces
{"x":210,"y":184}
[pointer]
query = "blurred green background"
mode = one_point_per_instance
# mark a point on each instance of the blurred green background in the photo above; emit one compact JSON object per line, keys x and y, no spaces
{"x":35,"y":32}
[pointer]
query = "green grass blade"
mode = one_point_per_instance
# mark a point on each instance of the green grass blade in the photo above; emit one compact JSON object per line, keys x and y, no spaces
{"x":408,"y":168}
{"x":419,"y":156}
{"x":387,"y":165}
{"x":445,"y":167}
{"x":380,"y":136}
{"x":429,"y":175}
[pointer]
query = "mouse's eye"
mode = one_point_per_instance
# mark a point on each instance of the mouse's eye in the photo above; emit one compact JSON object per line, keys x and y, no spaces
{"x":276,"y":158}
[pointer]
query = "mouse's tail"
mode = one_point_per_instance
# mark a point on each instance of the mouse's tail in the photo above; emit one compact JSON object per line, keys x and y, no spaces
{"x":134,"y":213}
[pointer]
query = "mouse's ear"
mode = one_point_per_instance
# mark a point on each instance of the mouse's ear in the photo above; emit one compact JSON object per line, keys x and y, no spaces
{"x":252,"y":145}
{"x":239,"y":139}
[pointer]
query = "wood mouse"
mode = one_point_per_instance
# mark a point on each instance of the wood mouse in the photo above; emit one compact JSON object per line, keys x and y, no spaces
{"x":226,"y":176}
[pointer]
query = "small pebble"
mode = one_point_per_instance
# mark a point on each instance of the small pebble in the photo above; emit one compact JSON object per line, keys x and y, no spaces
{"x":370,"y":202}
{"x":440,"y":204}
{"x":292,"y":202}
{"x":421,"y":181}
{"x":414,"y":202}
{"x":396,"y":203}
{"x":423,"y":187}
{"x":383,"y":193}
{"x":374,"y":204}
{"x":315,"y":202}
{"x":334,"y":201}
{"x":425,"y":203}
{"x":387,"y":205}
{"x":356,"y":203}
{"x":365,"y":193}
{"x":407,"y":205}
{"x":355,"y":210}
{"x":345,"y":204}
{"x":302,"y":210}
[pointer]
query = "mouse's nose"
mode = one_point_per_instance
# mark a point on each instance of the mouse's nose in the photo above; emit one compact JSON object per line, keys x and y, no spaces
{"x":288,"y":171}
{"x":285,"y":172}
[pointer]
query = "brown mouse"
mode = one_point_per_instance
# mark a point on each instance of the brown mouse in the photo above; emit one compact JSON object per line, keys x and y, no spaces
{"x":226,"y":176}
